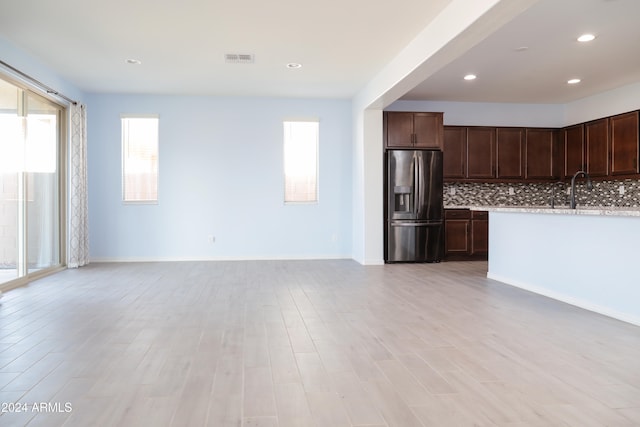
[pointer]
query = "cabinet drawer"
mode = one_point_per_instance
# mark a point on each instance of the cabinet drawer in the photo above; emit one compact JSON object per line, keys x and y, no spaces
{"x":479,"y":214}
{"x":457,"y":214}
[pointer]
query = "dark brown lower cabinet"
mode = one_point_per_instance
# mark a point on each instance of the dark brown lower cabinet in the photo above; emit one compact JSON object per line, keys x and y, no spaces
{"x":480,"y":233}
{"x":466,"y":234}
{"x":457,"y":232}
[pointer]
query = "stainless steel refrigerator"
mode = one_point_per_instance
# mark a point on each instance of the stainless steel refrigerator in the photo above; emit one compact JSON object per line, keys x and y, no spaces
{"x":414,"y":208}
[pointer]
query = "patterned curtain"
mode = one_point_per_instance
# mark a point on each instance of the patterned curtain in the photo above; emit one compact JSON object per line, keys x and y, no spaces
{"x":78,"y":214}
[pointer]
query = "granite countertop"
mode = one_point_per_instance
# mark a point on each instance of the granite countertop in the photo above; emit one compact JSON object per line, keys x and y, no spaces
{"x":581,"y":210}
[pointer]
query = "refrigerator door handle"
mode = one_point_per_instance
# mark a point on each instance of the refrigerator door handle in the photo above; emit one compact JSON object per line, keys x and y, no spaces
{"x":418,"y":204}
{"x":416,"y":185}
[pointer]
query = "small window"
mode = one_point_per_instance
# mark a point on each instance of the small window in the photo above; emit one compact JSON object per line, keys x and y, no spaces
{"x":301,"y":161}
{"x":140,"y":159}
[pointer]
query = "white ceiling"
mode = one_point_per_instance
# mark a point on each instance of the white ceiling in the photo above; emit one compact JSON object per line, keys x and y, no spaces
{"x":342,"y":44}
{"x":539,"y":74}
{"x":182,"y":44}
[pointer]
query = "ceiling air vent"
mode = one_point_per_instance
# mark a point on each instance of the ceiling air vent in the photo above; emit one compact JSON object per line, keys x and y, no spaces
{"x":238,"y":58}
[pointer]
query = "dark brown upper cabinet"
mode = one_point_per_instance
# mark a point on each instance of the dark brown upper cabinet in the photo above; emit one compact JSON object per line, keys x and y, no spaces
{"x":481,"y":143}
{"x":454,"y":152}
{"x":541,"y":154}
{"x":596,"y":135}
{"x":607,"y":147}
{"x":509,"y":153}
{"x":557,"y":160}
{"x":624,"y":143}
{"x":573,"y":141}
{"x":413,"y":130}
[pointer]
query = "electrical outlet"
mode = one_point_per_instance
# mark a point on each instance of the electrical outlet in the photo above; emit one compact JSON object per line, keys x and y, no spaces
{"x":511,"y":191}
{"x":211,"y":239}
{"x":621,"y":190}
{"x":452,"y":191}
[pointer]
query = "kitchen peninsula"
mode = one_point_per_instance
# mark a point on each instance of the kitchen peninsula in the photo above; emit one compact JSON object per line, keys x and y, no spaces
{"x":587,"y":257}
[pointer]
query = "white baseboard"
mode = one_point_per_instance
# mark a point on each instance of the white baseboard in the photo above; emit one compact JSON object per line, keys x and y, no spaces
{"x":215,"y":258}
{"x":373,"y":262}
{"x":587,"y":305}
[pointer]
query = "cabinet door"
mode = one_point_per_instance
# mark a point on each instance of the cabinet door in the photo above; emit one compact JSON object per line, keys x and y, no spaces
{"x":456,"y":232}
{"x":481,"y":144}
{"x":624,"y":144}
{"x":427,"y":128}
{"x":480,"y":233}
{"x":573,"y":138}
{"x":597,"y":147}
{"x":454,"y":152}
{"x":509,"y":149}
{"x":539,"y":153}
{"x":557,"y":158}
{"x":399,"y":129}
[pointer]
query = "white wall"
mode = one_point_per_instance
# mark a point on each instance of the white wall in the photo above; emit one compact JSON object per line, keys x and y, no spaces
{"x":617,"y":101}
{"x":368,"y":219}
{"x":357,"y":171}
{"x":489,"y":114}
{"x":221,"y":174}
{"x":588,"y":261}
{"x":620,"y":100}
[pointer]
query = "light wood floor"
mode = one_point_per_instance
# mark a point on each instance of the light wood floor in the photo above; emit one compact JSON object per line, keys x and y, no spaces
{"x":308,"y":343}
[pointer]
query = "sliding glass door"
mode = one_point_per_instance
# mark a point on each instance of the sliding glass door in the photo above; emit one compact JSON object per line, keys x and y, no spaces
{"x":42,"y":184}
{"x":30,"y":183}
{"x":11,"y":211}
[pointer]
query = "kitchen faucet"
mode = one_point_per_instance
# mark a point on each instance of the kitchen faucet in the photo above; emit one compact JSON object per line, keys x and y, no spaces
{"x":572,"y":203}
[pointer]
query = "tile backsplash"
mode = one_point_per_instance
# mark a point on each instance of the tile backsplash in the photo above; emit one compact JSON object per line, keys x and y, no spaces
{"x":604,"y":193}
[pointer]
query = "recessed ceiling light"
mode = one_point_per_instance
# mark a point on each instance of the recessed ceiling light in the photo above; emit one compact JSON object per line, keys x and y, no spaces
{"x":134,"y":61}
{"x":470,"y":77}
{"x":573,"y":81}
{"x":586,"y":38}
{"x":294,"y":65}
